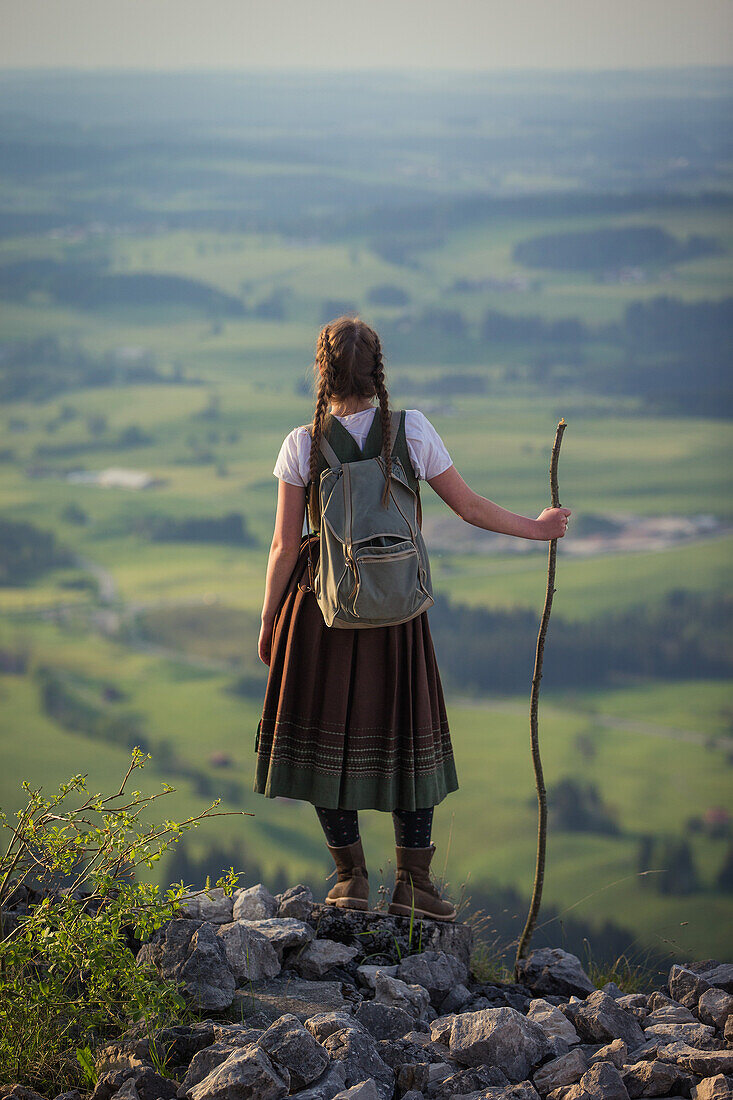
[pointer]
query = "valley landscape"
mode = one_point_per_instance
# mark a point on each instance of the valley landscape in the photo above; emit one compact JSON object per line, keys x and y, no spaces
{"x":559,"y":246}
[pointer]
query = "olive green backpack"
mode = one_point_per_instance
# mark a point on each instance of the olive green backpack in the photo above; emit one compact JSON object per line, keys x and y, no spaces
{"x":373,"y":567}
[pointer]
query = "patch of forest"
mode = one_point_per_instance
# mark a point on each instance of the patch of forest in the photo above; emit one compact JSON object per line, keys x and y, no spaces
{"x":45,"y":366}
{"x":674,"y":355}
{"x":27,"y":552}
{"x":685,"y":635}
{"x":85,"y":284}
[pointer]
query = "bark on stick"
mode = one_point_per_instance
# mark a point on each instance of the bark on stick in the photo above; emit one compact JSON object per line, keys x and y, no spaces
{"x":539,"y":876}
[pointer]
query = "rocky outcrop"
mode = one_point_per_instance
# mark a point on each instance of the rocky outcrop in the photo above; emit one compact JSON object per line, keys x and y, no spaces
{"x":321,"y":1004}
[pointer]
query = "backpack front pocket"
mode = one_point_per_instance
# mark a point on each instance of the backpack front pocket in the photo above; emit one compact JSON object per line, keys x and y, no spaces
{"x":387,"y":581}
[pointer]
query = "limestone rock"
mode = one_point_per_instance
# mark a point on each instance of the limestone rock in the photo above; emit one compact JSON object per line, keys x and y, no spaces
{"x":365,"y":1090}
{"x":616,"y":1052}
{"x":552,"y":1021}
{"x":356,"y":1049}
{"x":367,"y":974}
{"x":602,"y":1081}
{"x":254,"y":903}
{"x":713,"y":1088}
{"x":247,"y":1074}
{"x":393,"y":991}
{"x":326,"y":1087}
{"x":524,"y":1090}
{"x":19,"y":1092}
{"x":291,"y":1046}
{"x":715,"y":1006}
{"x":498,"y":1036}
{"x":715,"y":973}
{"x":319,"y":956}
{"x":206,"y":1060}
{"x":435,"y":971}
{"x":554,"y":971}
{"x":121,"y":1055}
{"x":324,"y":1024}
{"x":250,"y":955}
{"x":655,"y":1078}
{"x":685,"y":986}
{"x":441,"y":1028}
{"x":384,"y":1021}
{"x":190,"y":953}
{"x":283,"y":932}
{"x":463,"y":1082}
{"x":565,"y":1070}
{"x":213,"y":906}
{"x":134,"y":1084}
{"x":601,"y":1019}
{"x":412,"y":1077}
{"x":670,"y":1013}
{"x":697,"y":1035}
{"x":296,"y":902}
{"x":391,"y":936}
{"x":705,"y":1063}
{"x":636,"y":1003}
{"x":413,"y":1048}
{"x":296,"y":995}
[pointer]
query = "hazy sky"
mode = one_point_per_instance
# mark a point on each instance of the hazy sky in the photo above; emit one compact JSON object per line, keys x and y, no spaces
{"x":338,"y":34}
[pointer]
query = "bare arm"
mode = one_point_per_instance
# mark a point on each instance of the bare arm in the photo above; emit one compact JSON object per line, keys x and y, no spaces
{"x":283,"y":556}
{"x":481,"y":512}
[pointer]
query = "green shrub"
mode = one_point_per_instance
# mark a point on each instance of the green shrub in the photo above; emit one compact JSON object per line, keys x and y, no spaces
{"x":68,"y":975}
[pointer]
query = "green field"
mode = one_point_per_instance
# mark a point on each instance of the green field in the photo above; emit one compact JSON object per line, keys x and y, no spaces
{"x":615,"y":459}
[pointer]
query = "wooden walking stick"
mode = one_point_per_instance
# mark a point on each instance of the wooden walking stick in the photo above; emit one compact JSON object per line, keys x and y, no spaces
{"x":539,"y":875}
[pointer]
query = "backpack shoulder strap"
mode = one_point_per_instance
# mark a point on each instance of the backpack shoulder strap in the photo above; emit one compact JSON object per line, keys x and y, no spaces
{"x":328,"y":455}
{"x":401,"y":451}
{"x":328,"y":452}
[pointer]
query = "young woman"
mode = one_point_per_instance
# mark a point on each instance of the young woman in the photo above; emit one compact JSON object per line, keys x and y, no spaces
{"x":355,"y":719}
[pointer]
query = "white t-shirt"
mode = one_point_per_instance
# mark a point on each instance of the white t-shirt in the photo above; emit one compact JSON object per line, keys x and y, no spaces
{"x":426,"y":449}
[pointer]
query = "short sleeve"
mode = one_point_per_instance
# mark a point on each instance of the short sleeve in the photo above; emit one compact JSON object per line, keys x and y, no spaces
{"x":427,"y":450}
{"x":288,"y":466}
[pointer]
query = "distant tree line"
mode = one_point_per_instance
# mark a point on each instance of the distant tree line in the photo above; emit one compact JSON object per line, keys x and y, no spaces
{"x":444,"y":385}
{"x":129,"y":438}
{"x":416,"y":225}
{"x":227,"y":530}
{"x":42,"y":367}
{"x":27,"y":551}
{"x":612,"y":247}
{"x":428,"y":221}
{"x":673,"y":354}
{"x":684,"y":635}
{"x":86,"y":284}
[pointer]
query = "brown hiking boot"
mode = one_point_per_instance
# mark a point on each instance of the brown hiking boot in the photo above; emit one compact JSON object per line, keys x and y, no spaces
{"x":352,"y":888}
{"x":414,"y":891}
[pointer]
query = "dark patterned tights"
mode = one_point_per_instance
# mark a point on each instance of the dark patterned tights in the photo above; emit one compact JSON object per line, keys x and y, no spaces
{"x":412,"y":828}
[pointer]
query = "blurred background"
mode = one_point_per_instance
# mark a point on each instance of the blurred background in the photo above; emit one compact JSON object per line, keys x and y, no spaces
{"x":532,"y":204}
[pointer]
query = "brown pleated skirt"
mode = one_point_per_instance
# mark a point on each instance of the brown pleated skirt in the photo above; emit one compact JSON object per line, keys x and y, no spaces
{"x":354,"y":719}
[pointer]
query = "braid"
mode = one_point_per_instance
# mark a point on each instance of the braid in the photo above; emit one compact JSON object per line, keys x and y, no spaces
{"x":323,"y":357}
{"x":383,"y":396}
